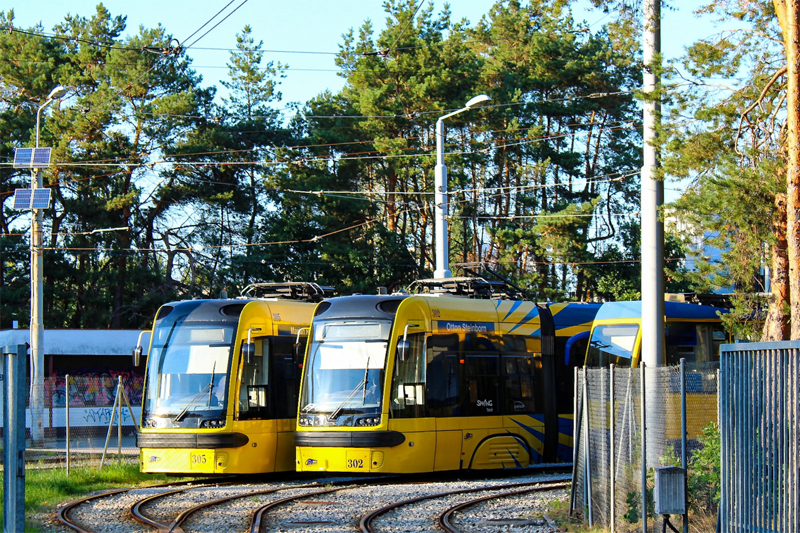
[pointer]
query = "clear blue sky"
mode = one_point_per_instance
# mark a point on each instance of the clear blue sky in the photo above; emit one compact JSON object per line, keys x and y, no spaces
{"x":298,"y":25}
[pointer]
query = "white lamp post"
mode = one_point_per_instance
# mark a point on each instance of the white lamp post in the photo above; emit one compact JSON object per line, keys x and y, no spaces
{"x":440,"y":194}
{"x":37,"y":291}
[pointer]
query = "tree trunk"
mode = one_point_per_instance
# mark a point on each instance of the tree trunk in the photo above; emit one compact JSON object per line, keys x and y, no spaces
{"x":788,"y":12}
{"x":776,"y":325}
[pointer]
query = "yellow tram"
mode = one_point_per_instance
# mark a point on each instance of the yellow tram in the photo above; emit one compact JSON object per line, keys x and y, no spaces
{"x":220,"y":393}
{"x":428,"y":382}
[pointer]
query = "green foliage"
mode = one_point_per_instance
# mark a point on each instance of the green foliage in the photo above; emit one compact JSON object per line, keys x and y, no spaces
{"x":723,"y":138}
{"x":543,"y":183}
{"x":704,"y":479}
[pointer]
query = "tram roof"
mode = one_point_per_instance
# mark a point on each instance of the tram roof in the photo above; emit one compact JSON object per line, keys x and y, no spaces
{"x":672,"y":310}
{"x":360,"y":306}
{"x":573,"y":313}
{"x":202,"y":310}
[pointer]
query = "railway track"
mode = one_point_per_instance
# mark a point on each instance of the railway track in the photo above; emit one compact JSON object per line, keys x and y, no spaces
{"x":327,"y":505}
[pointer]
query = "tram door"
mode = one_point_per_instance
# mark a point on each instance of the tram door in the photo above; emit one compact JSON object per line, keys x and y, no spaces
{"x":445,"y":399}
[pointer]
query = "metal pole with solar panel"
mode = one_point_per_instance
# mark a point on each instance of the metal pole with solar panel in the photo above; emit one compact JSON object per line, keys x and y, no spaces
{"x":36,"y":198}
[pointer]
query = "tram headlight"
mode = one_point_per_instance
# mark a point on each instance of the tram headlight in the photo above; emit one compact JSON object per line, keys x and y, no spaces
{"x":305,"y":421}
{"x":368,"y":421}
{"x":212,"y":424}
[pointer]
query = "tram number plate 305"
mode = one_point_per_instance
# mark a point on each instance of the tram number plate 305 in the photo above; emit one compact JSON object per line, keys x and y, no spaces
{"x":199,"y":461}
{"x":357,"y":461}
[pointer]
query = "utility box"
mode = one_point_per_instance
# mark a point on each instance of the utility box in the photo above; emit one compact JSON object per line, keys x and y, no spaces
{"x":670,"y":490}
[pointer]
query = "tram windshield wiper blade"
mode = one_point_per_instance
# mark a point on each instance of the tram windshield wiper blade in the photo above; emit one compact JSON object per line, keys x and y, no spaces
{"x":363,"y":383}
{"x":191,"y":403}
{"x":335,"y":414}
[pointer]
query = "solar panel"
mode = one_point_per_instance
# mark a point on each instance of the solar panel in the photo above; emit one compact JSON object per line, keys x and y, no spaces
{"x":23,"y":157}
{"x":22,"y":199}
{"x":32,"y":157}
{"x":31,"y":199}
{"x":41,"y":199}
{"x":41,"y":158}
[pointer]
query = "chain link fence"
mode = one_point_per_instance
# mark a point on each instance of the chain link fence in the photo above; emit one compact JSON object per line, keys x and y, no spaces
{"x":609,"y":473}
{"x":84,"y":419}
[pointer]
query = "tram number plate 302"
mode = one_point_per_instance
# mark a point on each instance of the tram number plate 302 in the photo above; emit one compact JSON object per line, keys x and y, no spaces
{"x":357,"y":461}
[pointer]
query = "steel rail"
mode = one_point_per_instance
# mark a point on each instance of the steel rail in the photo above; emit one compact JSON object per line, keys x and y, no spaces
{"x":174,"y":526}
{"x":63,"y":512}
{"x":444,"y":518}
{"x":365,"y":523}
{"x":258,"y":514}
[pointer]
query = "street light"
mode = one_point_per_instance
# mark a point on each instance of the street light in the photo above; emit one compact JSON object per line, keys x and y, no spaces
{"x":37,"y":292}
{"x":440,"y":193}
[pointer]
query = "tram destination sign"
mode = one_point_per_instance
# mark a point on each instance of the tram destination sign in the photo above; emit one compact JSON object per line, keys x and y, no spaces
{"x":464,"y":327}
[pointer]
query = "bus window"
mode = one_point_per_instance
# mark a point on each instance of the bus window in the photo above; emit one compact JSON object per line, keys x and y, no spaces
{"x":483,"y":384}
{"x":408,"y":381}
{"x":443,"y":375}
{"x":612,"y":344}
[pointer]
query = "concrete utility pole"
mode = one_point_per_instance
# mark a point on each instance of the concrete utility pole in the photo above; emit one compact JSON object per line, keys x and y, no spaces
{"x":440,"y":193}
{"x":37,"y":294}
{"x":652,"y":198}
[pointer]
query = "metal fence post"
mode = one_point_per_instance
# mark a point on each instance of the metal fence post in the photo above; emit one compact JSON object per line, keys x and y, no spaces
{"x":644,"y":451}
{"x":119,"y":420}
{"x":14,"y":358}
{"x":66,"y":412}
{"x":611,"y":424}
{"x":683,"y":447}
{"x":587,"y":469}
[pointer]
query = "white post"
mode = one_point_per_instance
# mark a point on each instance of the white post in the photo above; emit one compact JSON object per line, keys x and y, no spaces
{"x":652,"y":198}
{"x":441,"y":207}
{"x":37,"y":307}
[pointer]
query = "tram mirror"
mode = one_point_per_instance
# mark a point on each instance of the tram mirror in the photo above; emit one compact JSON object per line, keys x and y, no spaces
{"x":297,"y":351}
{"x":248,"y":351}
{"x":137,"y":356}
{"x":403,"y":345}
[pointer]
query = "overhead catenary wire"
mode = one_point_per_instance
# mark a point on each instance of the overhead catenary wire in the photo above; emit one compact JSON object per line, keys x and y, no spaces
{"x":215,"y":25}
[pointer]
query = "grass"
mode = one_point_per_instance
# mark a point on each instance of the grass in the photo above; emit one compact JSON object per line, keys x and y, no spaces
{"x":45,"y":489}
{"x":559,"y":513}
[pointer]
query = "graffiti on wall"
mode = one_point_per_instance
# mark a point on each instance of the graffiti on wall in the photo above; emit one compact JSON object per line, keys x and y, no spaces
{"x":96,"y":389}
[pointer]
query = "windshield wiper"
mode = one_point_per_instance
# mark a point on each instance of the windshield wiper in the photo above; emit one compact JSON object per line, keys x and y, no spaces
{"x":191,"y":403}
{"x":211,"y":384}
{"x":335,"y":414}
{"x":363,"y":383}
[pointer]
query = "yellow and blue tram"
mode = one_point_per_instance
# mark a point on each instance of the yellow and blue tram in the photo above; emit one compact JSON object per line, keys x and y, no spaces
{"x":427,"y":382}
{"x":221,"y":384}
{"x":693,"y":332}
{"x":573,"y":322}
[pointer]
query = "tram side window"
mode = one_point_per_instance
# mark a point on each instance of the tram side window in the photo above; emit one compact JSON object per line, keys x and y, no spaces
{"x":697,"y":343}
{"x":483,"y":384}
{"x":519,"y":384}
{"x":253,"y":391}
{"x":408,"y":381}
{"x":443,"y":376}
{"x":285,"y":372}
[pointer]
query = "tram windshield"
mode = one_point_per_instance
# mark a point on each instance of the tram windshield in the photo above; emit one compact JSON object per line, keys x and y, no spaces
{"x":345,"y":372}
{"x":612,"y":344}
{"x":187,"y":374}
